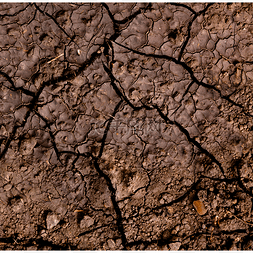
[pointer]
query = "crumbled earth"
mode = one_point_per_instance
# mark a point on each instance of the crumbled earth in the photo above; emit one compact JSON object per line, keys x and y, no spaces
{"x":126,"y":126}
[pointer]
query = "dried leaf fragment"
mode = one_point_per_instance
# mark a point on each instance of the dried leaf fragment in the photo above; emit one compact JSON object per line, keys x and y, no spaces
{"x":199,"y":206}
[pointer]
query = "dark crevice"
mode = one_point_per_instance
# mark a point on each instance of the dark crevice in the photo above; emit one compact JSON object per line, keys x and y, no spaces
{"x":184,"y":6}
{"x":103,"y":62}
{"x":40,"y":243}
{"x":55,"y":21}
{"x":191,"y":140}
{"x":189,"y":28}
{"x":51,"y":135}
{"x":13,"y":88}
{"x":114,"y":202}
{"x":15,"y":14}
{"x":94,"y":229}
{"x":237,"y":165}
{"x":190,"y":71}
{"x":117,"y":90}
{"x":183,"y":196}
{"x":165,"y":118}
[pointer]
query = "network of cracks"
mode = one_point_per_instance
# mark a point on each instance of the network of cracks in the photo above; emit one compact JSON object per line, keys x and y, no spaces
{"x":126,"y":126}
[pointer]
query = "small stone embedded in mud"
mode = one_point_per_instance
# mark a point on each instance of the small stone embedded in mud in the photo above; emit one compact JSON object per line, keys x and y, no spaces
{"x":170,"y":210}
{"x":166,"y":234}
{"x":175,"y":246}
{"x":52,"y":220}
{"x":111,"y":244}
{"x":86,"y":222}
{"x":7,"y":187}
{"x":199,"y":206}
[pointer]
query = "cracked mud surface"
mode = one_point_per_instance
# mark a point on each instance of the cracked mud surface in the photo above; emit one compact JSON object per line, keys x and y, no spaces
{"x":126,"y":126}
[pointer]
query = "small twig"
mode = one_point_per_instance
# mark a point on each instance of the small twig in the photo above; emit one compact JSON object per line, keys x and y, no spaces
{"x":55,"y":58}
{"x":246,"y":222}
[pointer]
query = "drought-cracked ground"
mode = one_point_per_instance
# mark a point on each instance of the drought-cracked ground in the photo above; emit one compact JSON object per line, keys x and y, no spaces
{"x":126,"y":126}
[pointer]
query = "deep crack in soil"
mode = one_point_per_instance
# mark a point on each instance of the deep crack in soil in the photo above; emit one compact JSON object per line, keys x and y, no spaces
{"x":126,"y":126}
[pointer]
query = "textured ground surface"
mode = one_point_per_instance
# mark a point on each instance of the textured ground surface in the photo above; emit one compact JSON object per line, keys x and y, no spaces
{"x":126,"y":126}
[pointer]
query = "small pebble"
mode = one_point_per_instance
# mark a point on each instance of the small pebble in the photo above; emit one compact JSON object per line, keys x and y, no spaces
{"x":199,"y":206}
{"x":234,"y":201}
{"x":52,"y":220}
{"x":7,"y":187}
{"x":111,"y":244}
{"x":170,"y":210}
{"x":86,"y":222}
{"x":175,"y":246}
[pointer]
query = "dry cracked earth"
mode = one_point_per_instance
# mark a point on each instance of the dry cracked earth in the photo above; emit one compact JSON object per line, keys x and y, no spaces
{"x":126,"y":126}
